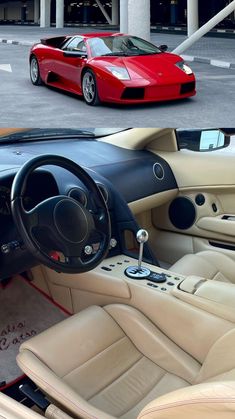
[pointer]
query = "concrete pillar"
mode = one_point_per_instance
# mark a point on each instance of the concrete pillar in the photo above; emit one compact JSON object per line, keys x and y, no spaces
{"x":59,"y":13}
{"x":139,"y":18}
{"x":45,"y":14}
{"x":23,"y":13}
{"x":193,"y":16}
{"x":36,"y":11}
{"x":205,"y":28}
{"x":174,"y":12}
{"x":86,"y":11}
{"x":124,"y":16}
{"x":115,"y":12}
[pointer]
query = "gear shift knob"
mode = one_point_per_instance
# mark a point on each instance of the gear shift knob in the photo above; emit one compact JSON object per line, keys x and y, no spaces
{"x":139,"y":272}
{"x":142,"y":236}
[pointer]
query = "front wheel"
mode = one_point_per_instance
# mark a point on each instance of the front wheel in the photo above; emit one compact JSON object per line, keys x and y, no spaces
{"x":35,"y":72}
{"x":89,"y":88}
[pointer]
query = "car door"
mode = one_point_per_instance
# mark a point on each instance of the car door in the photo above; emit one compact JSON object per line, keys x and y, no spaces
{"x":202,"y":215}
{"x":69,"y":68}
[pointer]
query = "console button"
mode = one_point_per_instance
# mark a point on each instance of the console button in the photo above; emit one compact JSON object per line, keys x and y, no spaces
{"x":150,"y":284}
{"x":155,"y":277}
{"x":105,"y":268}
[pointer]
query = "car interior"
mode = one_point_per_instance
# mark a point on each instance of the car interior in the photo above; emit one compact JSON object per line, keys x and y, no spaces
{"x":117,"y":282}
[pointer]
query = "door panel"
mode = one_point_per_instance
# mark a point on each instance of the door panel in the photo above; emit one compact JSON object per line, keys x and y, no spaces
{"x":67,"y":68}
{"x":211,"y":175}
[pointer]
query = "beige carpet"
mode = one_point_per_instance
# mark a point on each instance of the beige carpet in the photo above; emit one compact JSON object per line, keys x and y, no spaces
{"x":24,"y":312}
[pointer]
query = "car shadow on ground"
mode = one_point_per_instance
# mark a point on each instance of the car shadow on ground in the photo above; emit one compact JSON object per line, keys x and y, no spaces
{"x":144,"y":106}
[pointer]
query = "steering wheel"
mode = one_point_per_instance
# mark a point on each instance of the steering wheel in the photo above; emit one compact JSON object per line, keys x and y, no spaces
{"x":60,"y":223}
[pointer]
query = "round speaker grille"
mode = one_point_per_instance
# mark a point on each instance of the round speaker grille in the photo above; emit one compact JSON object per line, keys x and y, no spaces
{"x":182,"y":213}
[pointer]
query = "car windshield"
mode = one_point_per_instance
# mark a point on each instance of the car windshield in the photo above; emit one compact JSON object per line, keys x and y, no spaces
{"x":121,"y":46}
{"x":18,"y":135}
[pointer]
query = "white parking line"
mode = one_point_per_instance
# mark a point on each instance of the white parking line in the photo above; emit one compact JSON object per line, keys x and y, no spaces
{"x":6,"y":67}
{"x":215,"y":77}
{"x":222,"y":64}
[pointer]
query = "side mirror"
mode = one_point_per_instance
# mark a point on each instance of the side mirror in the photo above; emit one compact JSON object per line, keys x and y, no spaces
{"x":163,"y":48}
{"x":202,"y":140}
{"x":75,"y":54}
{"x":213,"y":140}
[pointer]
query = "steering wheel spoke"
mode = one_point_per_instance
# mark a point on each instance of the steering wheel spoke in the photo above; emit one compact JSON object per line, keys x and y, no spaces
{"x":100,"y":222}
{"x":31,"y":219}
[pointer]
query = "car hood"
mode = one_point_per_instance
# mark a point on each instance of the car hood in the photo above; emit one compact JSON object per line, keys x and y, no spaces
{"x":150,"y":66}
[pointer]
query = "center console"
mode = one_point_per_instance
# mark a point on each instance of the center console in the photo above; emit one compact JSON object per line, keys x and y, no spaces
{"x":214,"y":297}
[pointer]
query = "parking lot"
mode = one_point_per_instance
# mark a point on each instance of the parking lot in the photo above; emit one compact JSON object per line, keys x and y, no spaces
{"x":43,"y":106}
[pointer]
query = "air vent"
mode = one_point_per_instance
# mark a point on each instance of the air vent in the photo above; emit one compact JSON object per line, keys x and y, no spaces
{"x":158,"y":171}
{"x":79,"y":195}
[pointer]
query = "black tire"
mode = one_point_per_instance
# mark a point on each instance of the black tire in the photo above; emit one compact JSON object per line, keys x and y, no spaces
{"x":34,"y":71}
{"x":89,"y":88}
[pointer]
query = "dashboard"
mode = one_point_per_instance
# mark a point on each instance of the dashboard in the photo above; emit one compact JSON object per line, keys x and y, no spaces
{"x":122,"y":175}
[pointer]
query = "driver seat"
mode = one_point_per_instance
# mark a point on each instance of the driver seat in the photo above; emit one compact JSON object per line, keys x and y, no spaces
{"x":110,"y":362}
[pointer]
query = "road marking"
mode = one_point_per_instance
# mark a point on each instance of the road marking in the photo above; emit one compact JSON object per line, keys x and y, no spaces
{"x":219,"y":77}
{"x":222,"y":64}
{"x":6,"y":67}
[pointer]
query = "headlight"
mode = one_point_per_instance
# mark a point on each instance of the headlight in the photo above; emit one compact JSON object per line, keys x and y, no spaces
{"x":120,"y":72}
{"x":184,"y":67}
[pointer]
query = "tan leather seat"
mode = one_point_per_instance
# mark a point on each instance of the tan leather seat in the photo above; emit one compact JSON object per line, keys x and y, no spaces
{"x":208,"y":264}
{"x":110,"y":362}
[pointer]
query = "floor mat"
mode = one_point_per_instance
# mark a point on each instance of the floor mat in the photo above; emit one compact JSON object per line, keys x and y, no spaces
{"x":24,"y":312}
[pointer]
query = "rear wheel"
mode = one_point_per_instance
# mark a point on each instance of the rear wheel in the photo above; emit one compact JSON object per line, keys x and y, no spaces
{"x":89,"y":88}
{"x":34,"y":71}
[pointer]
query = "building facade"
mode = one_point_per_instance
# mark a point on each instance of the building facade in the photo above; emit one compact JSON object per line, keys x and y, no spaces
{"x":163,"y":12}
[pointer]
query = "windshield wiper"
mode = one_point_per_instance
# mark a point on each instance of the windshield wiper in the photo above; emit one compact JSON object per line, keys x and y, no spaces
{"x":129,"y":54}
{"x":117,"y":54}
{"x":39,"y":134}
{"x":150,"y":53}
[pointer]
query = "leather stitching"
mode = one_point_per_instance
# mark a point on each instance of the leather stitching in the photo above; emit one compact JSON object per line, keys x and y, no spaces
{"x":91,"y":359}
{"x":186,"y":402}
{"x":118,"y":378}
{"x":60,"y":395}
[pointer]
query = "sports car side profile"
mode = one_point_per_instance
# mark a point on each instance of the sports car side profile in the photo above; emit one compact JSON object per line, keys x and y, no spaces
{"x":111,"y":67}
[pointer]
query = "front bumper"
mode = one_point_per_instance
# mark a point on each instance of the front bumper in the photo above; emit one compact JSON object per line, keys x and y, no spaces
{"x":131,"y":92}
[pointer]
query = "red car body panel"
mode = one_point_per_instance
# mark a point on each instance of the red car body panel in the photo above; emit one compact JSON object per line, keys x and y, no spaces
{"x":157,"y":74}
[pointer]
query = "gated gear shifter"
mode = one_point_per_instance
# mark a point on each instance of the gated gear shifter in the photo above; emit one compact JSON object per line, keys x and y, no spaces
{"x":139,"y":272}
{"x":141,"y":237}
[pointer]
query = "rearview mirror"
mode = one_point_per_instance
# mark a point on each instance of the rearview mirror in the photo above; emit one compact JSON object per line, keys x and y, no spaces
{"x":163,"y":48}
{"x":75,"y":54}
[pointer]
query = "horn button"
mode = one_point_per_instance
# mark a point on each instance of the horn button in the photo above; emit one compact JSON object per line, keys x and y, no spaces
{"x":73,"y":222}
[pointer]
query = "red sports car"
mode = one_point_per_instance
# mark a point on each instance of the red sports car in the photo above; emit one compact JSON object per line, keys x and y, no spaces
{"x":111,"y":67}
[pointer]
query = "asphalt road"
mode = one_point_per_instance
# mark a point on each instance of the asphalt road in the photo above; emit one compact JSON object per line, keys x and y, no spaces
{"x":24,"y":105}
